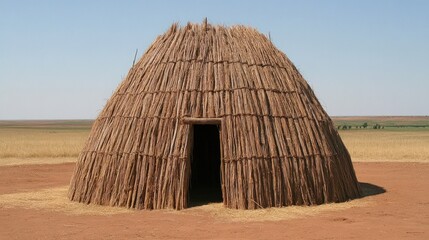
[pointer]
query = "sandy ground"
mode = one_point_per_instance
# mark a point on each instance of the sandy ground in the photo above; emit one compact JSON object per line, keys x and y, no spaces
{"x":33,"y":206}
{"x":39,"y":160}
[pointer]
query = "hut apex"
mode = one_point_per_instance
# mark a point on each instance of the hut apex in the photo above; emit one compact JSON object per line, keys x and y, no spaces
{"x":213,"y":113}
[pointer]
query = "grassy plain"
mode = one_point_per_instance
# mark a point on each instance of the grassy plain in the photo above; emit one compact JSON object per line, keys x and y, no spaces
{"x":41,"y":140}
{"x":387,"y":145}
{"x":403,"y":139}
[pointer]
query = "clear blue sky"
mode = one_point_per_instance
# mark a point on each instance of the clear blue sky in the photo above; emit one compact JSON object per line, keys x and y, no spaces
{"x":63,"y":59}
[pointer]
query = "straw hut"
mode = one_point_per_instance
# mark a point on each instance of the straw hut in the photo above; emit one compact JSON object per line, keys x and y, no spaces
{"x":213,"y":112}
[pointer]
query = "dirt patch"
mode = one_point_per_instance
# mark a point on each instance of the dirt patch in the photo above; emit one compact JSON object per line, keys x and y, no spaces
{"x":402,"y":160}
{"x":24,"y":178}
{"x":29,"y":161}
{"x":218,"y":211}
{"x":55,"y":199}
{"x":401,"y":212}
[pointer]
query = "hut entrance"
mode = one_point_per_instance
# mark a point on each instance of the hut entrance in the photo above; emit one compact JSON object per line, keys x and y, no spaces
{"x":205,"y":181}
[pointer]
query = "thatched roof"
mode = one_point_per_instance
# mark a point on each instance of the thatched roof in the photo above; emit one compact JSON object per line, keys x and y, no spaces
{"x":279,"y":147}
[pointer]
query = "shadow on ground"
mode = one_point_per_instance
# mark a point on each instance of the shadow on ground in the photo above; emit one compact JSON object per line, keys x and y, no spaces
{"x":204,"y":196}
{"x":369,"y":189}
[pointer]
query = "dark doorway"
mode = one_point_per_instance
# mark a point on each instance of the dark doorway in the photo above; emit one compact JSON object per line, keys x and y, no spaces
{"x":205,"y":184}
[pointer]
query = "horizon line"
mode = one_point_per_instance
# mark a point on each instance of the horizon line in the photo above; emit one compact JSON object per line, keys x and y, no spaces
{"x":92,"y":119}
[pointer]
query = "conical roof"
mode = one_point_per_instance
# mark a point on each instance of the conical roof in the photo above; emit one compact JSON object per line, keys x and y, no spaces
{"x":279,"y":147}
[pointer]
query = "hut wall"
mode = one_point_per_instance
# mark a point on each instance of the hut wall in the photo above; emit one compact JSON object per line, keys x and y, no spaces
{"x":279,"y":147}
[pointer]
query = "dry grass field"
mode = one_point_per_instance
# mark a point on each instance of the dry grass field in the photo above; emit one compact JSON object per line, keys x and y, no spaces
{"x":41,"y":141}
{"x":387,"y":145}
{"x":403,"y":139}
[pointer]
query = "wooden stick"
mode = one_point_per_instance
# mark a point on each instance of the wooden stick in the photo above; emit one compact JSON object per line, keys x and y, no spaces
{"x":202,"y":121}
{"x":135,"y":56}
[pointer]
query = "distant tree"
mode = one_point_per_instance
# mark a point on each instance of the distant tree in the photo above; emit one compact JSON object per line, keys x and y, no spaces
{"x":350,"y":127}
{"x":365,"y":125}
{"x":339,"y":126}
{"x":344,"y":127}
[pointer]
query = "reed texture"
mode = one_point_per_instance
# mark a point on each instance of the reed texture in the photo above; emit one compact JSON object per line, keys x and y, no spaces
{"x":278,"y":146}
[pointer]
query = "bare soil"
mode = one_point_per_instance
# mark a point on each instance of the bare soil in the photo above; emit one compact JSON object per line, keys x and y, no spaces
{"x":396,"y":207}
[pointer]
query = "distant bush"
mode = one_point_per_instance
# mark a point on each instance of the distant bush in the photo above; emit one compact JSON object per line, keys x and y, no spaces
{"x":345,"y":127}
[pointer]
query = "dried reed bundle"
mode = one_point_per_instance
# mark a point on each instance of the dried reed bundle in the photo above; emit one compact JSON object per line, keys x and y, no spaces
{"x":278,"y":145}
